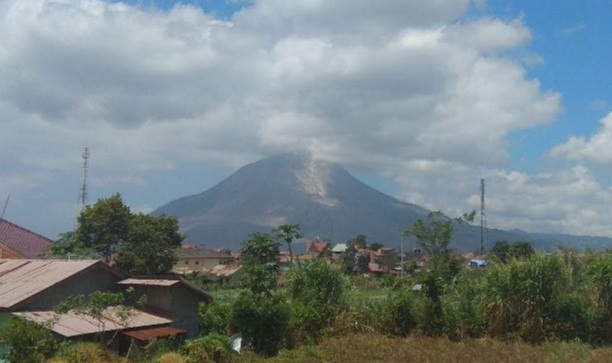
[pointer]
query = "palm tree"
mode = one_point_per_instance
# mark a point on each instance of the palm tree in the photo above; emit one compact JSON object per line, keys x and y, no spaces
{"x":287,"y":233}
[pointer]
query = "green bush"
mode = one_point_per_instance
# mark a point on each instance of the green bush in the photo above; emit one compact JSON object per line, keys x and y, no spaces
{"x":522,"y":297}
{"x":215,"y":317}
{"x":84,"y":352}
{"x":27,"y":342}
{"x":464,"y":307}
{"x":263,"y":321}
{"x":318,"y":291}
{"x":398,"y":314}
{"x":213,"y":348}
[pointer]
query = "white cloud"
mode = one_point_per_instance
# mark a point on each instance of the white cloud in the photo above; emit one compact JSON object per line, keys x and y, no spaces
{"x":596,"y":148}
{"x":413,"y":86}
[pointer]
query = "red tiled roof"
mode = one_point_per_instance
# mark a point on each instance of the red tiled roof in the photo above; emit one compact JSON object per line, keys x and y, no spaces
{"x":319,"y":246}
{"x":23,"y":241}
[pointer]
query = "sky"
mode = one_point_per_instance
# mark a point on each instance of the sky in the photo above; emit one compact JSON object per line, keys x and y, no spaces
{"x":418,"y":98}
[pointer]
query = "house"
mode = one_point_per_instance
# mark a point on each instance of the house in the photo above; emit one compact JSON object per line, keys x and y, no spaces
{"x":200,"y":260}
{"x":32,"y":289}
{"x":338,"y":251}
{"x":317,"y":248}
{"x":19,"y":243}
{"x":225,"y":274}
{"x":175,"y":299}
{"x":37,"y":285}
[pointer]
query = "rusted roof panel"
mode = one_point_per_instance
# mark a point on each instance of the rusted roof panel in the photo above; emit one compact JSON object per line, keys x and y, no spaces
{"x":154,"y":333}
{"x":22,"y":279}
{"x":72,"y":324}
{"x":152,"y":282}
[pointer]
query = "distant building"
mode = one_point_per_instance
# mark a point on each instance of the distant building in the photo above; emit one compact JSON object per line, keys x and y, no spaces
{"x":195,"y":259}
{"x":317,"y":248}
{"x":19,"y":243}
{"x":225,"y":274}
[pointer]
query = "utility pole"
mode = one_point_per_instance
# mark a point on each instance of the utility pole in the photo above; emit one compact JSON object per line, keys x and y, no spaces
{"x":402,"y":251}
{"x":483,"y":218}
{"x":83,"y":194}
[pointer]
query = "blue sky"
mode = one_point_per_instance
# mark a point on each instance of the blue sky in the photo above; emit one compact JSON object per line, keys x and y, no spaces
{"x":420,"y":99}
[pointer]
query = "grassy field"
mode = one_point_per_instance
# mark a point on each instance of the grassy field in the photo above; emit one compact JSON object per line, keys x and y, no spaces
{"x":377,"y":348}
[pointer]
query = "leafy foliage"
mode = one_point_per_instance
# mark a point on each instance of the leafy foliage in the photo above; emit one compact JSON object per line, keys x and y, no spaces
{"x":263,"y":321}
{"x":260,"y":263}
{"x":434,"y":235}
{"x":287,"y":233}
{"x":151,"y":245}
{"x":68,"y":246}
{"x":104,"y":225}
{"x":213,"y":348}
{"x":28,"y":342}
{"x":142,"y":244}
{"x":318,"y":292}
{"x":215,"y":317}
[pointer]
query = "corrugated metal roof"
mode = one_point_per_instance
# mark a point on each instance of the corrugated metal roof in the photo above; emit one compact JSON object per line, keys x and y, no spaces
{"x":72,"y":324}
{"x":25,"y":242}
{"x":224,"y":270}
{"x":165,"y":283}
{"x":22,"y":279}
{"x":151,"y":282}
{"x":153,"y":333}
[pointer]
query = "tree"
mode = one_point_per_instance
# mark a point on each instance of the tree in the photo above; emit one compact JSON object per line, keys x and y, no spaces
{"x":434,"y":236}
{"x":501,"y":250}
{"x":260,"y":263}
{"x":287,"y":233}
{"x":150,"y":247}
{"x":521,"y":250}
{"x":140,"y":244}
{"x":67,"y":245}
{"x":103,"y":226}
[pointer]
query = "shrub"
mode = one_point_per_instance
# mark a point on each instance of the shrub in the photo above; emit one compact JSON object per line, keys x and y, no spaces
{"x":215,"y":317}
{"x":213,"y":348}
{"x":170,"y":358}
{"x":84,"y":353}
{"x":319,"y":292}
{"x":398,"y":315}
{"x":27,"y":342}
{"x":522,"y":297}
{"x":464,"y":308}
{"x":263,"y":321}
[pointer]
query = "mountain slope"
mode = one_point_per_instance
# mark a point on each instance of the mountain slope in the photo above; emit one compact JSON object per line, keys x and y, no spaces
{"x":321,"y":196}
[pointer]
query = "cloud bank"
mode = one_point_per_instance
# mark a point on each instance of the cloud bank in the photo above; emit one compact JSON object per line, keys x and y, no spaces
{"x":416,"y":91}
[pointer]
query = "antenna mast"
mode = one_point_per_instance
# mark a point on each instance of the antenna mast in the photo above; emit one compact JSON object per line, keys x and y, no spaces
{"x":83,"y":194}
{"x":5,"y":205}
{"x":483,"y":216}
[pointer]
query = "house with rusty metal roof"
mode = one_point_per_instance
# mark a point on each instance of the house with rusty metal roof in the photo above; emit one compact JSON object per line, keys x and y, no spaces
{"x":34,"y":285}
{"x":173,"y":298}
{"x":32,"y":288}
{"x":19,"y":242}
